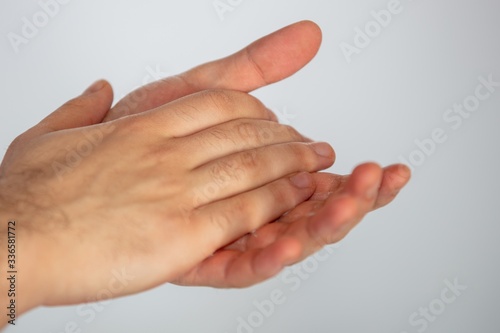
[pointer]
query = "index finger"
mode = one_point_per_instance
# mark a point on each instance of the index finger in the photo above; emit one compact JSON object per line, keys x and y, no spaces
{"x":201,"y":111}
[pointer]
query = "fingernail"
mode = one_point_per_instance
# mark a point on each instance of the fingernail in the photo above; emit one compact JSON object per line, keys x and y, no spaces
{"x":95,"y":87}
{"x":302,"y":180}
{"x":322,"y":149}
{"x":404,"y":171}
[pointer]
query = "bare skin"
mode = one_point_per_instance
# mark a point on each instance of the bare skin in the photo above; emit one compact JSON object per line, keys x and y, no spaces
{"x":169,"y":190}
{"x":339,"y":201}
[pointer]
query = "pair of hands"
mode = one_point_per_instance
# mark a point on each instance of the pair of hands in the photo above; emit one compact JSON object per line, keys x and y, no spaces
{"x":178,"y":183}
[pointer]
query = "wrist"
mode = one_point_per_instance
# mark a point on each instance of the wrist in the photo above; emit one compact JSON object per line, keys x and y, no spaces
{"x":20,"y":285}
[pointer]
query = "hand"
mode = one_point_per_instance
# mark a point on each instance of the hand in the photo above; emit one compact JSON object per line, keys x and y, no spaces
{"x":148,"y":196}
{"x":339,"y":202}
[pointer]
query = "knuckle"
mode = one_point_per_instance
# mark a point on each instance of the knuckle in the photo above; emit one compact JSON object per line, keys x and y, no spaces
{"x":249,"y":160}
{"x":235,"y":169}
{"x":248,"y":131}
{"x":240,"y":208}
{"x":223,"y":172}
{"x":184,"y":114}
{"x":304,"y":154}
{"x":16,"y":142}
{"x":241,"y":211}
{"x":284,"y":195}
{"x":292,"y":132}
{"x":258,"y":107}
{"x":213,"y":138}
{"x":260,"y":133}
{"x":220,"y":219}
{"x":268,"y":135}
{"x":219,"y":134}
{"x":159,"y":156}
{"x":221,"y":99}
{"x":232,"y":101}
{"x":131,"y":124}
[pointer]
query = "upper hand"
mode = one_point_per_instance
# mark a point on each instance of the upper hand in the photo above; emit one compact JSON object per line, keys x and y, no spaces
{"x":152,"y":194}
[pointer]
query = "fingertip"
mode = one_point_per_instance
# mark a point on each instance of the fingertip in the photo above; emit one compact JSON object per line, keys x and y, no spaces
{"x":108,"y":90}
{"x":366,"y":180}
{"x":400,"y":174}
{"x":334,"y":156}
{"x":404,"y":172}
{"x":100,"y":90}
{"x":309,"y":37}
{"x":282,"y":53}
{"x":313,"y":28}
{"x":372,"y":167}
{"x":95,"y":87}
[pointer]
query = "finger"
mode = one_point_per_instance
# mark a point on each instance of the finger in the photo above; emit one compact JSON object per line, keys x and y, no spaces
{"x":337,"y":217}
{"x":341,"y":213}
{"x":364,"y":184}
{"x":237,"y":136}
{"x":268,"y":60}
{"x":84,"y":110}
{"x":201,"y":111}
{"x":328,"y":184}
{"x":316,"y":223}
{"x":394,"y":179}
{"x":237,"y":215}
{"x":235,"y":269}
{"x":250,"y":169}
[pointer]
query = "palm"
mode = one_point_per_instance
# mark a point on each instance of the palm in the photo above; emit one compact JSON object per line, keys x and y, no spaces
{"x":337,"y":205}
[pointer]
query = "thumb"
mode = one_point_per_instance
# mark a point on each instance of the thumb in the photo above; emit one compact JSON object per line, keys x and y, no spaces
{"x":87,"y":109}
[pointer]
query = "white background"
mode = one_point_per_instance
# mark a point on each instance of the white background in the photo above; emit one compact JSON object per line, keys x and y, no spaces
{"x":444,"y":226}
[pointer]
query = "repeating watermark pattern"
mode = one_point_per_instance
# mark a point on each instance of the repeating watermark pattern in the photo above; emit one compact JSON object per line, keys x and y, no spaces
{"x":292,"y":279}
{"x":364,"y":36}
{"x":30,"y":27}
{"x":454,"y":118}
{"x":421,"y":319}
{"x":87,"y":313}
{"x":223,"y":7}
